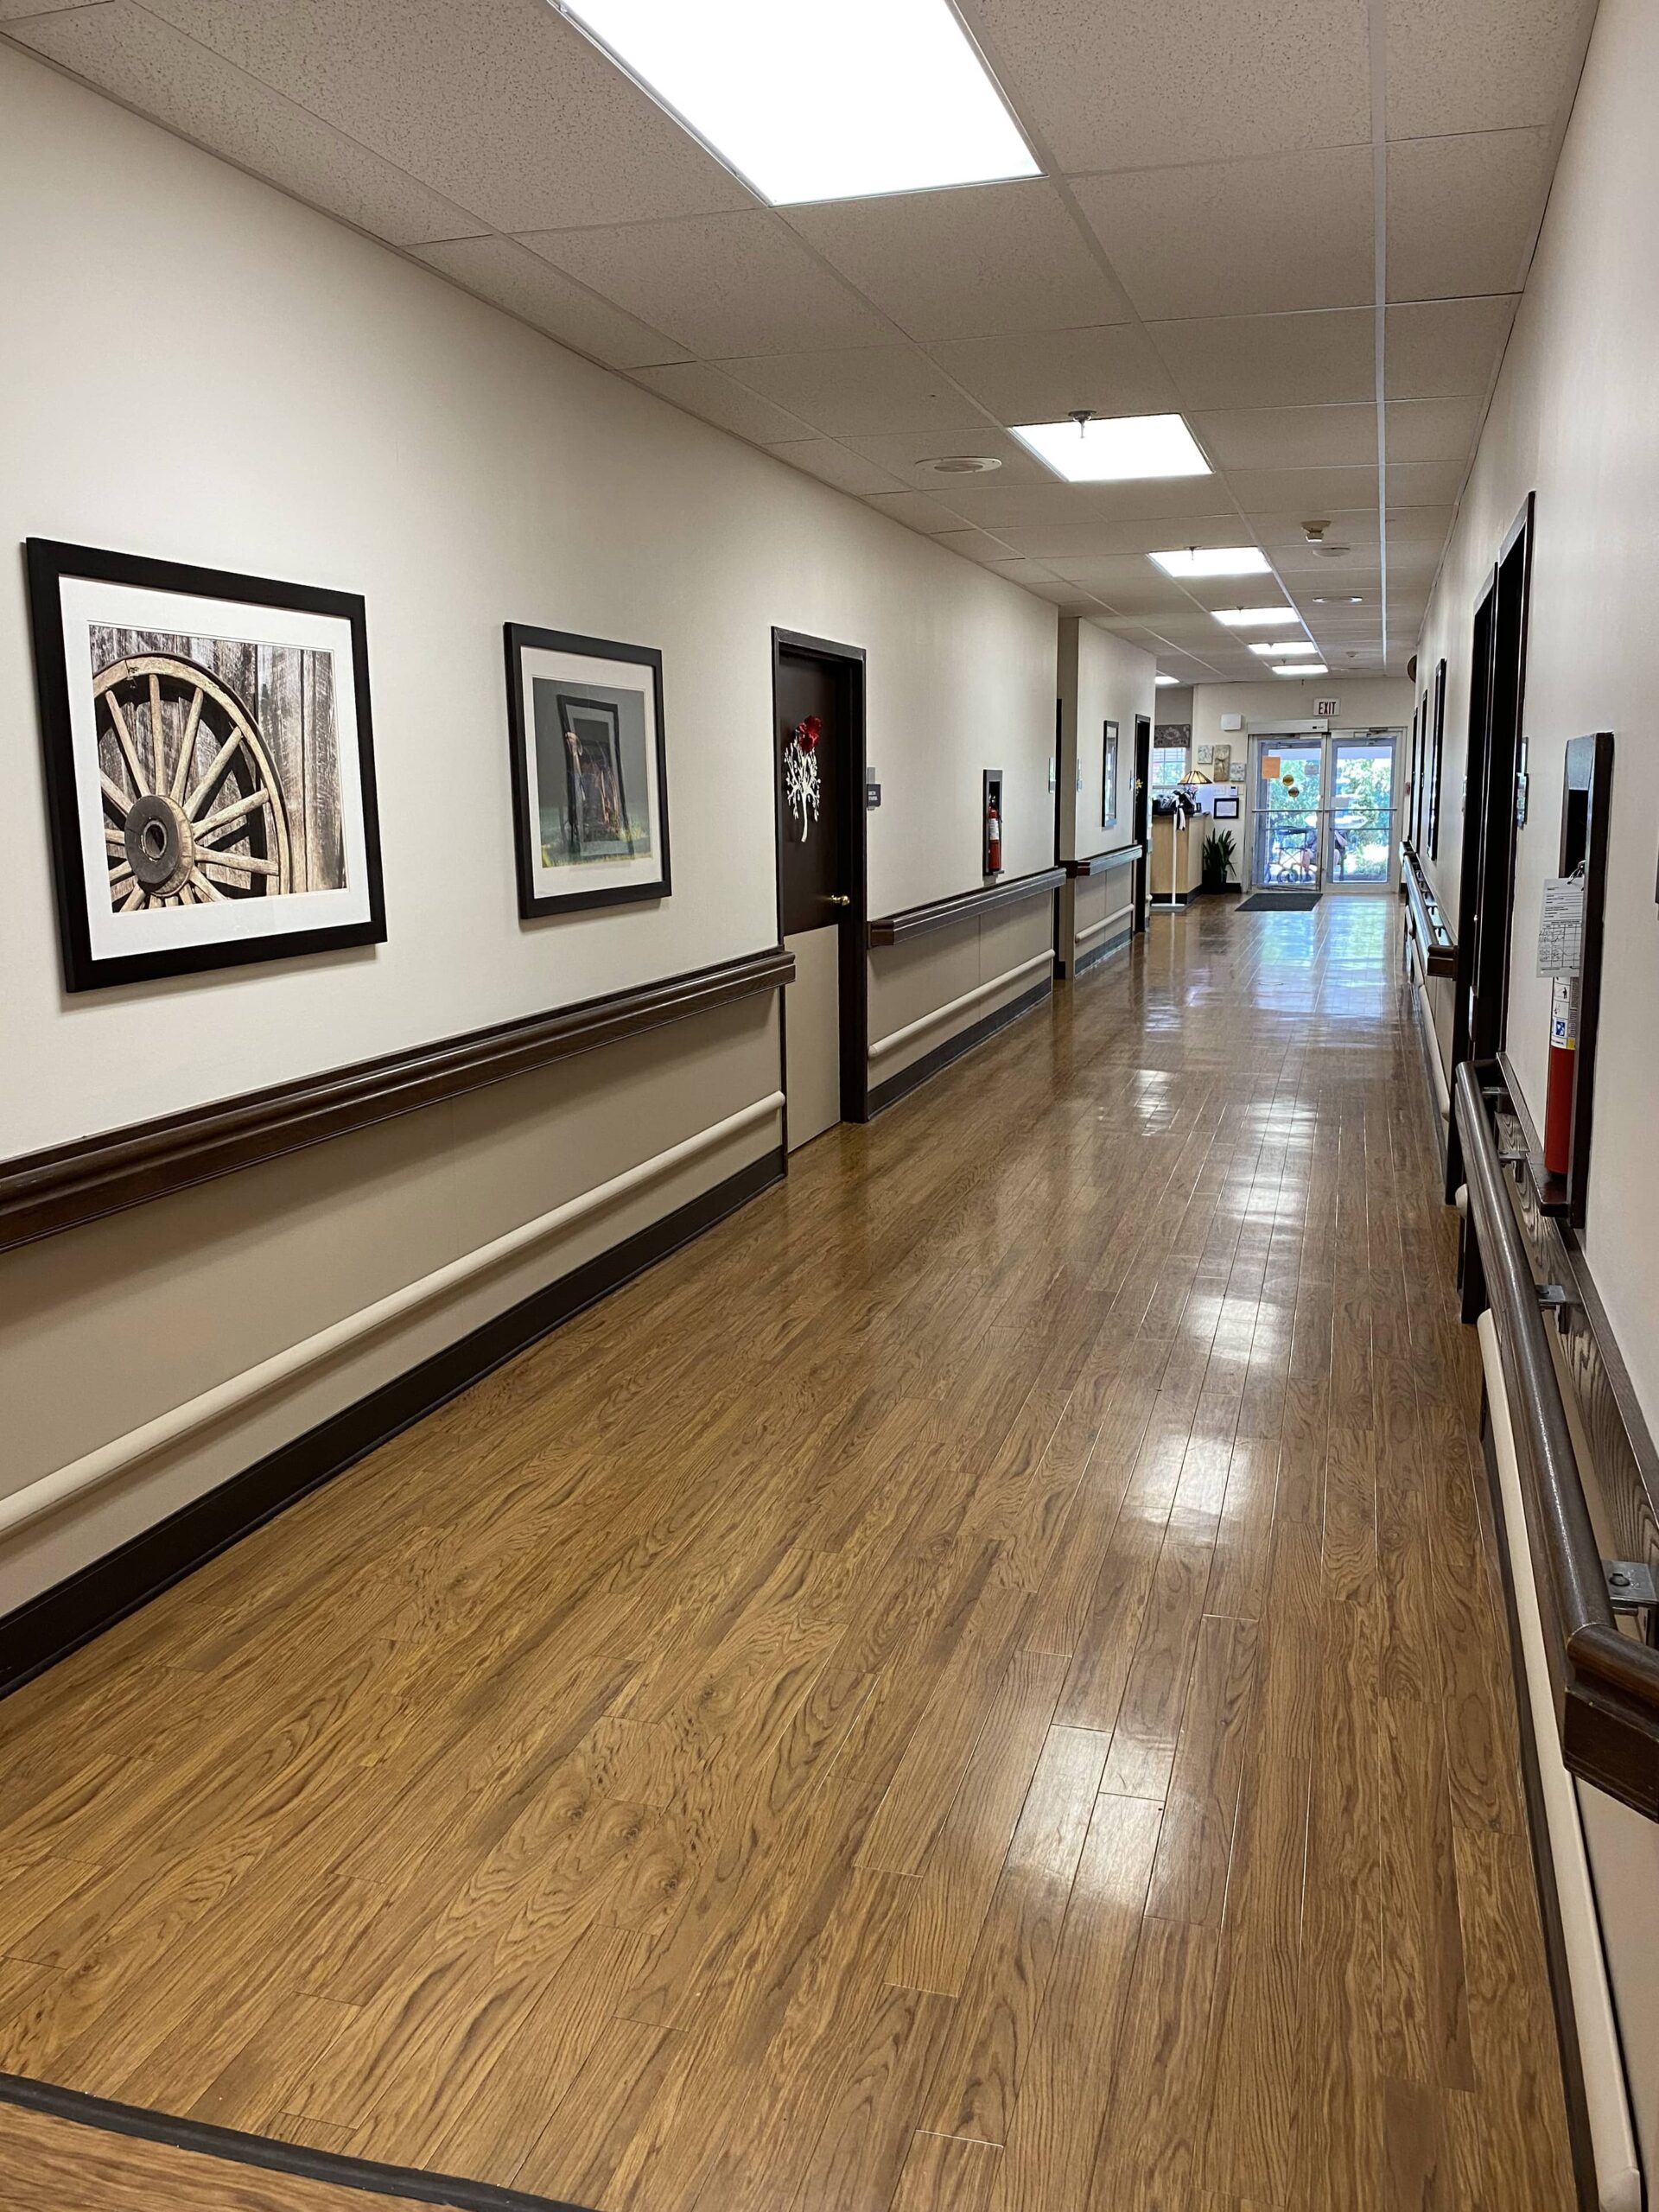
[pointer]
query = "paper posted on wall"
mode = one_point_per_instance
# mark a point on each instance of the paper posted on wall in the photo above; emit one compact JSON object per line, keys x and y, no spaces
{"x":1560,"y":926}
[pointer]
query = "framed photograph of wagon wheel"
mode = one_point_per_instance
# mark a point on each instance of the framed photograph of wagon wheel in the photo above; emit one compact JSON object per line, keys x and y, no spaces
{"x":209,"y":766}
{"x":590,"y":770}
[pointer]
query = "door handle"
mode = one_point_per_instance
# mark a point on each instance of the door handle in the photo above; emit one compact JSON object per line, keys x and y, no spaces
{"x":838,"y":898}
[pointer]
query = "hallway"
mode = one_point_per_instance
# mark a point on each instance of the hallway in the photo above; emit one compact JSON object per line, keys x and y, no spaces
{"x":981,"y":1683}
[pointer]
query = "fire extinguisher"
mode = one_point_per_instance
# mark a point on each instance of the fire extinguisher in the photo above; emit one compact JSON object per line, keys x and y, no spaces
{"x":1563,"y":1059}
{"x":993,"y":838}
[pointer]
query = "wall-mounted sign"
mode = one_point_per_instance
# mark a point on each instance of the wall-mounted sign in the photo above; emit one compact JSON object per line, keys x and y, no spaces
{"x":1327,"y":706}
{"x":872,"y":796}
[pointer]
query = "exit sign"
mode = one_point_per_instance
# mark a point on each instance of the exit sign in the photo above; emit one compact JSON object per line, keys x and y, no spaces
{"x":1327,"y":706}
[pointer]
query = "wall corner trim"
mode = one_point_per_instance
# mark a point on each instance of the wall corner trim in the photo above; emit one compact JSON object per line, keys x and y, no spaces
{"x":44,"y":1192}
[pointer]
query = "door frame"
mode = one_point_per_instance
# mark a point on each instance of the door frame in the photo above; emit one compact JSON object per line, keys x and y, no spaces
{"x":1140,"y":819}
{"x":847,"y":664}
{"x":1327,"y":736}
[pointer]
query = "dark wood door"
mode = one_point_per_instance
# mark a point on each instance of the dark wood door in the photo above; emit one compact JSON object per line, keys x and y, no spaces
{"x":821,"y":884}
{"x":1141,"y":814}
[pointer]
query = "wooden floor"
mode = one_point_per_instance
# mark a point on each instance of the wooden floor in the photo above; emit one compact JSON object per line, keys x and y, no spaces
{"x":980,"y":1684}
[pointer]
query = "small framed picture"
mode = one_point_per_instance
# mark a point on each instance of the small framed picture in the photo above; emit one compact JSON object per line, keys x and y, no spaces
{"x":1108,"y":775}
{"x":209,"y":766}
{"x":1221,"y":764}
{"x":590,"y":770}
{"x":1227,"y":809}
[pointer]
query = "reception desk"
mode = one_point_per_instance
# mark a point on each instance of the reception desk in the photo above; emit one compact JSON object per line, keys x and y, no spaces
{"x":1177,"y":856}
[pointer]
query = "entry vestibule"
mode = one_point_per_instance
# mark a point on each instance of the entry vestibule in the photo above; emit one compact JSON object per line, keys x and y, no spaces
{"x":1323,"y":809}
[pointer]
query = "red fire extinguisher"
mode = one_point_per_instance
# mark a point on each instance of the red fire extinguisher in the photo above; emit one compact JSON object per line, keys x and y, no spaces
{"x":1563,"y":1059}
{"x":993,"y":838}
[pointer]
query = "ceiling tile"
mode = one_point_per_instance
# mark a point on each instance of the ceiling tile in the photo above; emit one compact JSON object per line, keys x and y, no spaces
{"x":861,"y":392}
{"x":706,"y":392}
{"x":1281,"y":531}
{"x":1161,"y":510}
{"x":1290,"y":437}
{"x":503,"y":272}
{"x":1311,"y":492}
{"x":1085,"y":539}
{"x":968,"y":264}
{"x":834,"y":464}
{"x":1432,"y":430}
{"x":1272,"y":361}
{"x":1464,"y":213}
{"x":14,"y":10}
{"x":1424,"y":484}
{"x":501,"y":106}
{"x":910,"y":454}
{"x":916,"y":510}
{"x":146,"y":64}
{"x":1129,"y":87}
{"x":1444,"y":349}
{"x":722,"y":284}
{"x":975,"y":545}
{"x":1031,"y":576}
{"x":1240,"y":237}
{"x":1042,"y":376}
{"x":1483,"y":65}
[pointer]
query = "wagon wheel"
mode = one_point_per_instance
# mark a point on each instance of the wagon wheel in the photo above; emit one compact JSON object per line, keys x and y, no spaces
{"x":176,"y":836}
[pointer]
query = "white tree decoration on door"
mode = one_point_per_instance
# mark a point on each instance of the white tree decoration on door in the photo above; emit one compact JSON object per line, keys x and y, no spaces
{"x":803,"y":788}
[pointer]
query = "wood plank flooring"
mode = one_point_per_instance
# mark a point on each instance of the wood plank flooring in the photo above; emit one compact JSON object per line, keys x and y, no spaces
{"x":981,"y":1684}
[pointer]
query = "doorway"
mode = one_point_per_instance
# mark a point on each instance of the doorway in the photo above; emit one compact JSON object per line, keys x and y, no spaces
{"x":1322,"y":812}
{"x":817,"y":691}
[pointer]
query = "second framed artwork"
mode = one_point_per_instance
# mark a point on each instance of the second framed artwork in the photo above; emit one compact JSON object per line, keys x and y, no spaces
{"x":590,"y":770}
{"x":1108,"y":775}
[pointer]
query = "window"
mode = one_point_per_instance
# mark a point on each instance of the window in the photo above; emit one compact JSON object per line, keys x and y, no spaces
{"x":1168,"y":766}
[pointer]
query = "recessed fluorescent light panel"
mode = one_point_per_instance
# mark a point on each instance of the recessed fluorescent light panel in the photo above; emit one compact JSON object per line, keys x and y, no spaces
{"x":897,"y":97}
{"x":1214,"y":561}
{"x":1114,"y":448}
{"x":1255,"y":618}
{"x":1161,"y":680}
{"x":1285,"y":645}
{"x":1303,"y":668}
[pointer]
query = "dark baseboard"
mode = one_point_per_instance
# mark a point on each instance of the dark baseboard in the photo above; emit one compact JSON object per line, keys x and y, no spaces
{"x":883,"y":1095}
{"x":268,"y":2154}
{"x":48,"y":1627}
{"x":1096,"y":953}
{"x":1543,"y":1864}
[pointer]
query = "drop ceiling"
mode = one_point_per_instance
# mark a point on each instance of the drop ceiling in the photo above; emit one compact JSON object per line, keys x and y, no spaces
{"x":1302,"y":224}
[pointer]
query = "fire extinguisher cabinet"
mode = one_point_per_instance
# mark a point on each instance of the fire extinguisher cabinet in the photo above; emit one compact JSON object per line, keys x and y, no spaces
{"x":991,"y":823}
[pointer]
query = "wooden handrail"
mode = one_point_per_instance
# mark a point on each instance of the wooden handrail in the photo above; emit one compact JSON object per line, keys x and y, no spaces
{"x":1097,"y":863}
{"x":967,"y":906}
{"x":1606,"y":1683}
{"x":1438,"y":945}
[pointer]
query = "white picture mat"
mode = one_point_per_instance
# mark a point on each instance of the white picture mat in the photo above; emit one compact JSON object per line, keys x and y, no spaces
{"x":83,"y":603}
{"x":541,"y":663}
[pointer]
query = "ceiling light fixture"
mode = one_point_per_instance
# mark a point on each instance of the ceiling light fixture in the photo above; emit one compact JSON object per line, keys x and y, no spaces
{"x":1090,"y":449}
{"x":1303,"y":668}
{"x":1214,"y":561}
{"x":1252,"y":618}
{"x":1285,"y":645}
{"x":904,"y":98}
{"x":1161,"y":680}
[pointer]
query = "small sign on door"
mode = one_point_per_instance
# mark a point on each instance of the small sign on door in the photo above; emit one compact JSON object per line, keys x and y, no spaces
{"x":1560,"y":926}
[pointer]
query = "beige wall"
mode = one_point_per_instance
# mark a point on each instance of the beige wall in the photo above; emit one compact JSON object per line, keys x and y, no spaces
{"x":924,"y":976}
{"x":1100,"y":678}
{"x":336,"y":415}
{"x":1572,"y":419}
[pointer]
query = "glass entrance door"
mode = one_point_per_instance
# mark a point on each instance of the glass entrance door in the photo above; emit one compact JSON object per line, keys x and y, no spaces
{"x":1322,"y":812}
{"x":1289,"y":783}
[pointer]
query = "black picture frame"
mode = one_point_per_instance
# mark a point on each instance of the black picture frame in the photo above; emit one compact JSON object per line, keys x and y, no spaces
{"x":1434,"y":770}
{"x":1227,"y":810}
{"x":535,"y":904}
{"x":50,"y":563}
{"x":1108,"y":775}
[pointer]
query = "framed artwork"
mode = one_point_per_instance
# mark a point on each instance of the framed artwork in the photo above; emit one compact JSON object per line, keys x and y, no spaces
{"x":209,"y":766}
{"x":1434,"y":765}
{"x":590,"y":770}
{"x":1221,"y":764}
{"x":1227,"y":809}
{"x":1108,"y":775}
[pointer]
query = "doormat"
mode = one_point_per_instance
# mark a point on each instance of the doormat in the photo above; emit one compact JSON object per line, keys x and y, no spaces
{"x":1279,"y":902}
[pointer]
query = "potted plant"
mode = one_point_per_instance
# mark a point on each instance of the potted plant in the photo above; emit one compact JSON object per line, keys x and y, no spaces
{"x":1217,"y":860}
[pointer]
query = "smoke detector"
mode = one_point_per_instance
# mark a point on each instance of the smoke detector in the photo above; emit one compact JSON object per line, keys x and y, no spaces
{"x":1327,"y":549}
{"x":964,"y":464}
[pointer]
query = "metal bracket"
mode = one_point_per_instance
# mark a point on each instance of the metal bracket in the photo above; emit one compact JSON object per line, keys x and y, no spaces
{"x":1631,"y":1589}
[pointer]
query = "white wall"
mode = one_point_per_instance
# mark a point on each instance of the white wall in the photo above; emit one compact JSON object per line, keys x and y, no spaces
{"x":1102,"y":677}
{"x":196,"y":367}
{"x":1574,"y":418}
